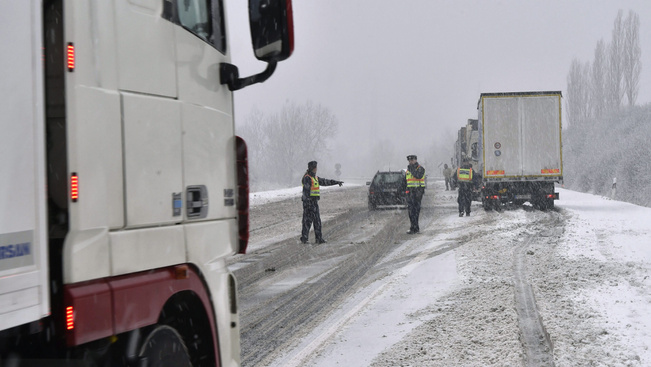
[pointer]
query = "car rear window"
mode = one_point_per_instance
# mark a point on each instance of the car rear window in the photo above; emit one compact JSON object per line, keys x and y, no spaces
{"x":388,"y":178}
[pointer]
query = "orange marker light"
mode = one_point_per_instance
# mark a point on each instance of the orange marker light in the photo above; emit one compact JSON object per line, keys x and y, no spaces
{"x":70,"y":318}
{"x":74,"y":187}
{"x":71,"y":57}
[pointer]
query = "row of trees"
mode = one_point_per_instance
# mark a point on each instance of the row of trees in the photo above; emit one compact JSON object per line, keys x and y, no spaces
{"x":281,"y":144}
{"x":615,"y":146}
{"x":612,"y":79}
{"x":608,"y":134}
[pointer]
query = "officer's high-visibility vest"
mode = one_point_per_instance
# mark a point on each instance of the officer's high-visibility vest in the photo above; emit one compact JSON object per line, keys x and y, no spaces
{"x":314,"y":188}
{"x":464,"y":174}
{"x":415,"y":182}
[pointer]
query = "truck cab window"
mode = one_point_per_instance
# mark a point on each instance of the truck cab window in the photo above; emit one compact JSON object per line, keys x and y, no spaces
{"x":195,"y":16}
{"x":204,"y":18}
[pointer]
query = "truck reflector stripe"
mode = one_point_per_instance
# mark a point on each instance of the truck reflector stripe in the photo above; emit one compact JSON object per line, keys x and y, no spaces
{"x":74,"y":187}
{"x":554,"y":170}
{"x":70,"y":318}
{"x":495,"y":173}
{"x":71,"y":56}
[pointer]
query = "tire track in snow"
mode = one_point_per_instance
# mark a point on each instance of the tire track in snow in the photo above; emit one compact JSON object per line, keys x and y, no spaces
{"x":537,"y":345}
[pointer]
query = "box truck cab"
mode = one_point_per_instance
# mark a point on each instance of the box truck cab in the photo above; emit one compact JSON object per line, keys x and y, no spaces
{"x":123,"y":185}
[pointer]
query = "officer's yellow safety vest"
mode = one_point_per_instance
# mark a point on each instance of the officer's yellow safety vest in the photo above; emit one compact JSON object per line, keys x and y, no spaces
{"x":314,"y":188}
{"x":415,"y":182}
{"x":464,"y":174}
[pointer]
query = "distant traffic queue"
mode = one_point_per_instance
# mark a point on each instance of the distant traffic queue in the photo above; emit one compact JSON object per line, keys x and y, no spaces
{"x":515,"y":146}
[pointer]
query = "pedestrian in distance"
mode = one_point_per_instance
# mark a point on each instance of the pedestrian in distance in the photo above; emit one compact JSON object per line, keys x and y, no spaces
{"x":466,"y":182}
{"x":447,"y":174}
{"x":311,"y":194}
{"x":415,"y":177}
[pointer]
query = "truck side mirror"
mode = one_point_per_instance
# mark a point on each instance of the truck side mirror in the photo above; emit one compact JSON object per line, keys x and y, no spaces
{"x":272,"y":35}
{"x":272,"y":29}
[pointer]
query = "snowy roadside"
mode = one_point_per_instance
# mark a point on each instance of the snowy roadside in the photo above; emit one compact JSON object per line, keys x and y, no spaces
{"x":601,"y":284}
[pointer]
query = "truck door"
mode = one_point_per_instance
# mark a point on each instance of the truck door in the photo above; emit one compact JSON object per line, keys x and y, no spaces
{"x":501,"y":131}
{"x":206,"y":110}
{"x":541,"y":135}
{"x":23,"y":221}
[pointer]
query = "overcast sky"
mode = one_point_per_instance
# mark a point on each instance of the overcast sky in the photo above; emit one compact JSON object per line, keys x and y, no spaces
{"x":412,"y":71}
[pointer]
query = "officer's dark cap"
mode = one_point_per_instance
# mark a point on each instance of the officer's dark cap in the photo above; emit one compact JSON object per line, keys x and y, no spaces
{"x":311,"y":165}
{"x":412,"y":157}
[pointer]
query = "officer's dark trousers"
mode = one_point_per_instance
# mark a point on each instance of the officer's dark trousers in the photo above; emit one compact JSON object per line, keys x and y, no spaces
{"x":464,"y":199}
{"x":311,"y":215}
{"x":413,"y":203}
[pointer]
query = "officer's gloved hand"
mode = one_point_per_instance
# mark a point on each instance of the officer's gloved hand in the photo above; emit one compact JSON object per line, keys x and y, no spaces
{"x":340,"y":183}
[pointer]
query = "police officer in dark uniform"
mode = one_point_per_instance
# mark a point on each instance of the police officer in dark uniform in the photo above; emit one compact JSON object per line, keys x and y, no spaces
{"x":466,"y":181}
{"x":415,"y":176}
{"x":311,"y":194}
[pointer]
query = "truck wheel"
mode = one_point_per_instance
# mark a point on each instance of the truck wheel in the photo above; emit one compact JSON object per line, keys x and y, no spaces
{"x":487,"y":205}
{"x":550,"y":204}
{"x":537,"y":204}
{"x":371,"y":206}
{"x":164,"y":347}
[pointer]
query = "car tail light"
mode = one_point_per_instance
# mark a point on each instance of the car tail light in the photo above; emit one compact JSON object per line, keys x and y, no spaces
{"x":242,"y":193}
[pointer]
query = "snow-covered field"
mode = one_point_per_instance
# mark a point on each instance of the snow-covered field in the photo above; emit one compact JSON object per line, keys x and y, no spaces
{"x":589,"y":271}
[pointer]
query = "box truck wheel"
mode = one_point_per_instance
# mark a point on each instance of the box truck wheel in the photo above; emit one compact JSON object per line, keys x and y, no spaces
{"x":164,"y":347}
{"x":549,"y":203}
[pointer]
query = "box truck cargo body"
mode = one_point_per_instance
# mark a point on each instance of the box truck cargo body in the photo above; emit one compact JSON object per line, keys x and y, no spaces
{"x":521,"y":147}
{"x":123,"y":186}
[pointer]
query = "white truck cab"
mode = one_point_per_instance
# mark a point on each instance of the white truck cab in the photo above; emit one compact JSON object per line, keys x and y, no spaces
{"x":123,"y":186}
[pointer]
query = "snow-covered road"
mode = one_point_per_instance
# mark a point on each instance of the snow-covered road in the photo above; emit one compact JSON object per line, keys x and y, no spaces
{"x":447,"y":297}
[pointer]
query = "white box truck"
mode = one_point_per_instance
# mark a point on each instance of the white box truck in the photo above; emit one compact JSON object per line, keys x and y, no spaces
{"x":123,"y":186}
{"x":520,"y":148}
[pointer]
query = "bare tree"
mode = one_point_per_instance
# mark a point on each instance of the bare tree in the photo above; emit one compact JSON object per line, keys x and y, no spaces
{"x":302,"y":134}
{"x":578,"y":93}
{"x":631,"y":64}
{"x":281,"y":144}
{"x":598,"y":80}
{"x":614,"y":82}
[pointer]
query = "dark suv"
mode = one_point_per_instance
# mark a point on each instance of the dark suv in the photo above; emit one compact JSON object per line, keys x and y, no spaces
{"x":387,"y":188}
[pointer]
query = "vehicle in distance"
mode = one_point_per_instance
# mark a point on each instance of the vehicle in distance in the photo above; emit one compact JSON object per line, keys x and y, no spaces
{"x":387,"y":188}
{"x":520,"y":148}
